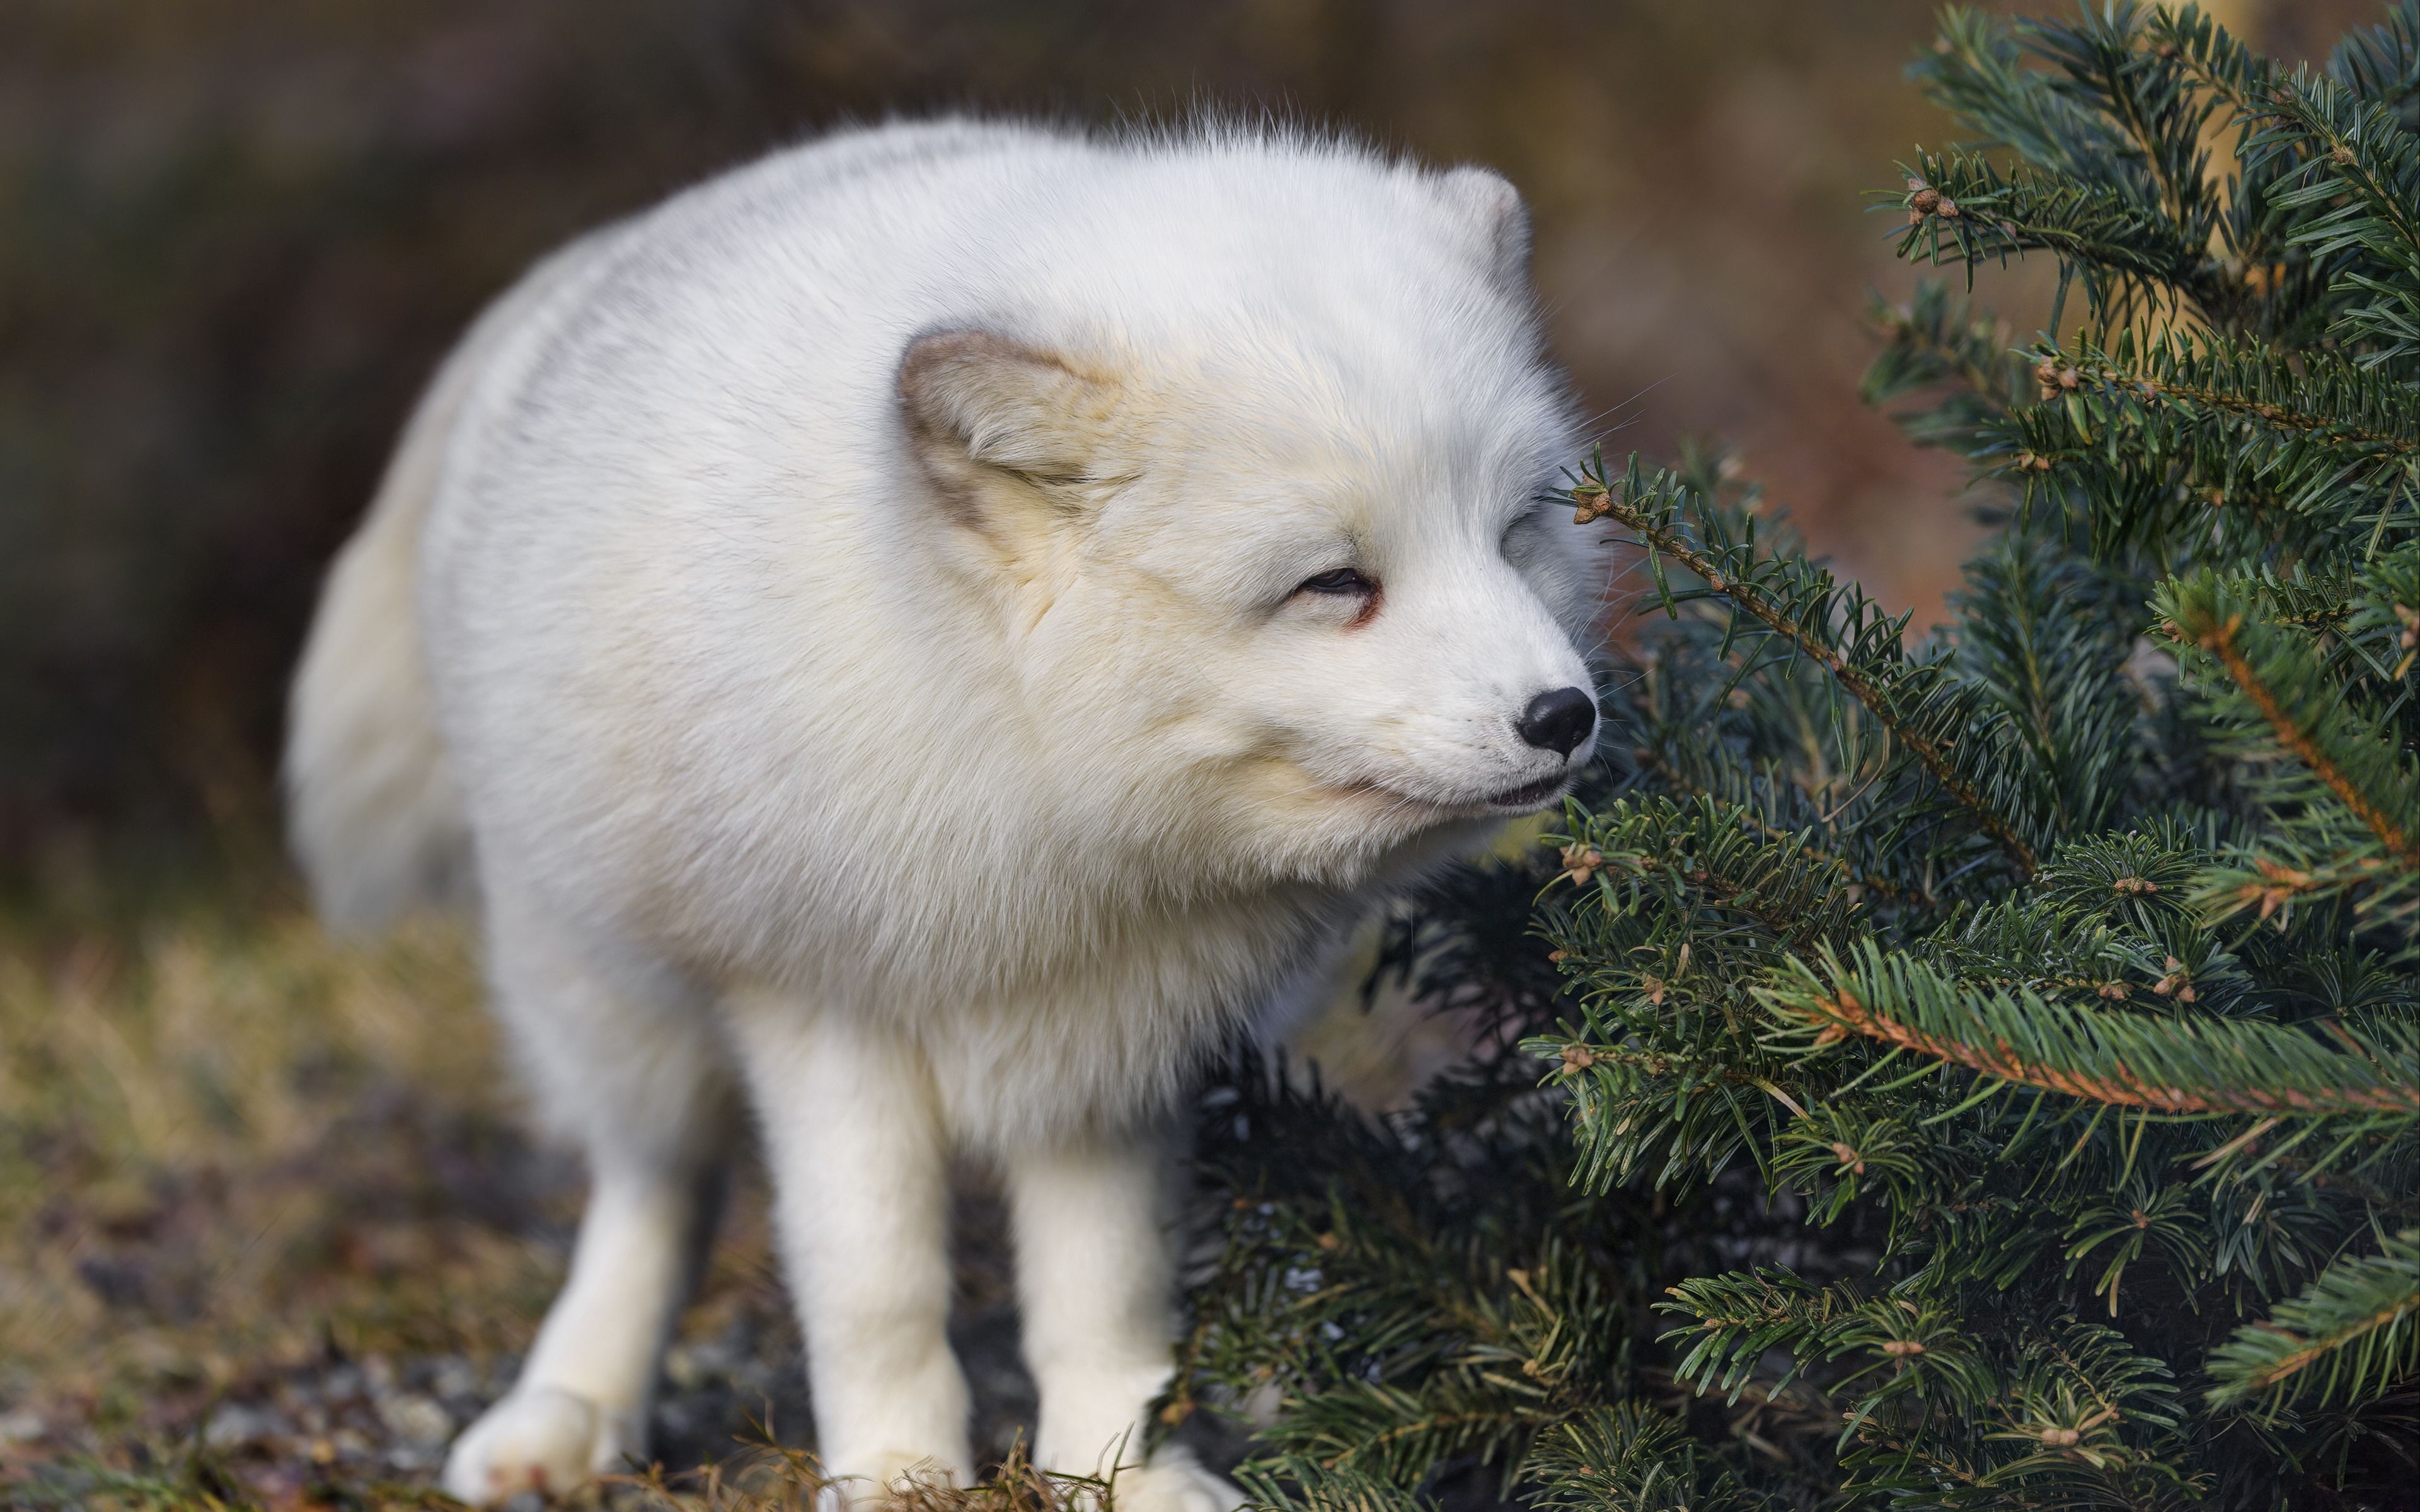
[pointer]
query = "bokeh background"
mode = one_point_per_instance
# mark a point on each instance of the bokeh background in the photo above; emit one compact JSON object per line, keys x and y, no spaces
{"x":260,"y":1191}
{"x":235,"y":236}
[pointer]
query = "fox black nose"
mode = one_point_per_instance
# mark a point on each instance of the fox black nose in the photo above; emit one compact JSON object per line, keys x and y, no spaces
{"x":1559,"y":721}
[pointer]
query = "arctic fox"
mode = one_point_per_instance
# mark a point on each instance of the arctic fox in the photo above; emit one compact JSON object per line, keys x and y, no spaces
{"x":924,"y":636}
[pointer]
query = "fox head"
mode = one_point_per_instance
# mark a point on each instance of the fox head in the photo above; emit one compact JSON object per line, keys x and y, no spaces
{"x":1266,"y":518}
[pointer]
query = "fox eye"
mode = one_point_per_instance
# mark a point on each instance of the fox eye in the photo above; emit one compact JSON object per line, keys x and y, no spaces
{"x":1337,"y":580}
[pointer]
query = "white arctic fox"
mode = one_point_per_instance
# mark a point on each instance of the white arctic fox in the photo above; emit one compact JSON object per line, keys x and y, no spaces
{"x":927,"y":634}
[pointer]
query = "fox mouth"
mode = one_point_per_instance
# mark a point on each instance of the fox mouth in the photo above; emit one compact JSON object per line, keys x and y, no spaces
{"x":1530,"y":795}
{"x":1525,"y":798}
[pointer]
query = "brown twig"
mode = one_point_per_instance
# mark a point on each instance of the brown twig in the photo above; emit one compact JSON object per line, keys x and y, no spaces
{"x":2120,"y":1088}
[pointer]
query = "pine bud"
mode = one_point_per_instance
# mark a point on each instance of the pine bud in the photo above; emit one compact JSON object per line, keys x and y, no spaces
{"x":1578,"y":1057}
{"x":1581,"y":863}
{"x":1925,"y":201}
{"x":2060,"y":1438}
{"x":1901,"y":1348}
{"x":2179,"y":980}
{"x":2341,"y":155}
{"x":1850,"y":1160}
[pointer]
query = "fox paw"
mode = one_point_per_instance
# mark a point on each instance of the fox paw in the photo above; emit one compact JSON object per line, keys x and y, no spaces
{"x":1175,"y":1481}
{"x":540,"y":1439}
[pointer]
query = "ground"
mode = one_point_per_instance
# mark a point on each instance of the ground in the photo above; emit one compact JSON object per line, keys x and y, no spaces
{"x":270,"y":1231}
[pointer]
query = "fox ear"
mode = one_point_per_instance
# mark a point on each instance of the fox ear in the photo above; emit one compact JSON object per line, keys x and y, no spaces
{"x":1497,"y":217}
{"x":973,"y":396}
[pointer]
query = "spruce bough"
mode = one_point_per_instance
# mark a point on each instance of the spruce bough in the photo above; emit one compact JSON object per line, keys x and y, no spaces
{"x":1975,"y":1071}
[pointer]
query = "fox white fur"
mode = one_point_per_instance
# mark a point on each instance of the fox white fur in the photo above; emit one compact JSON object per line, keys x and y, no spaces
{"x":858,"y":632}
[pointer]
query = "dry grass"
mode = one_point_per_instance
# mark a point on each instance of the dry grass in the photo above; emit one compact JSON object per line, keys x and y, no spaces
{"x":268,"y":1230}
{"x":770,"y":1478}
{"x":201,"y":1118}
{"x":233,"y":1154}
{"x":269,"y":1234}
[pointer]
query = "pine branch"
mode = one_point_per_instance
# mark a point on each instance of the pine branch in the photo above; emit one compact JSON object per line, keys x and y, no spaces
{"x":2230,"y":71}
{"x":2361,"y":182}
{"x":2350,"y":1335}
{"x":1871,"y":881}
{"x":1930,"y":343}
{"x":1741,"y":1317}
{"x":2278,"y":673}
{"x":2321,"y":398}
{"x":1291,"y":1483}
{"x":1724,"y":853}
{"x":1629,"y":1459}
{"x":2146,"y":94}
{"x":2381,"y":63}
{"x":2193,"y":438}
{"x":1680,"y":906}
{"x":1928,"y":967}
{"x":1801,"y":606}
{"x":1395,"y":1433}
{"x":1963,"y":207}
{"x":2037,"y":638}
{"x":2191,"y":1066}
{"x":2375,"y":170}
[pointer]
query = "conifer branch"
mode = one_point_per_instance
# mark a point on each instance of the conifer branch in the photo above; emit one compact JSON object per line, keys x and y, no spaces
{"x":2381,"y":63}
{"x":2326,"y":400}
{"x":1873,"y":882}
{"x":1784,"y":885}
{"x":2223,"y":641}
{"x":1293,"y":1484}
{"x":2002,"y":1104}
{"x":2373,"y":157}
{"x":2278,"y":675}
{"x":1801,"y":624}
{"x":1932,"y":343}
{"x":2352,"y":1332}
{"x":2185,"y":1066}
{"x":2112,"y":237}
{"x":1630,"y":1459}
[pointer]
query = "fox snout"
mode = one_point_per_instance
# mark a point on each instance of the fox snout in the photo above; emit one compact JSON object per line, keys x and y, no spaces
{"x":1559,"y":720}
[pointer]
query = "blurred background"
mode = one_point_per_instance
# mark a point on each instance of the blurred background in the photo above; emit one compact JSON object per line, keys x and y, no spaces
{"x":236,"y":235}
